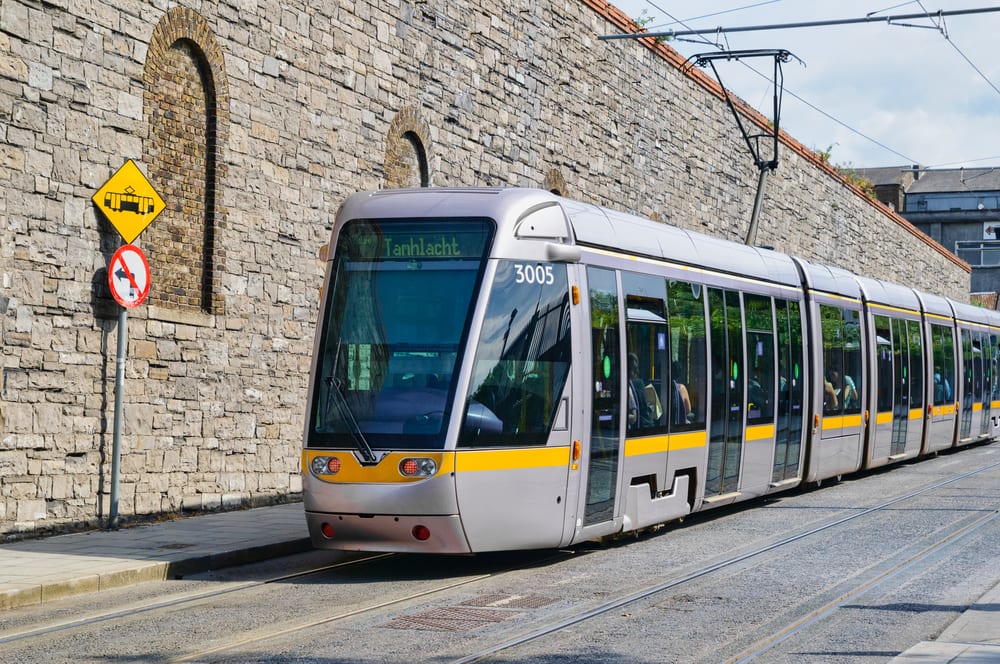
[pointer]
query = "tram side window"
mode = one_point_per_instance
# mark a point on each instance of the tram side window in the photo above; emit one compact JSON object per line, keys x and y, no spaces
{"x":841,"y":360}
{"x":648,"y":386}
{"x":760,"y":359}
{"x":523,"y":358}
{"x":688,"y":359}
{"x":916,"y":364}
{"x":994,"y":368}
{"x":883,"y":364}
{"x":943,"y":346}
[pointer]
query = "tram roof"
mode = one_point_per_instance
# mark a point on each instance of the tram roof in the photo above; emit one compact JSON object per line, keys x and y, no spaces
{"x":601,"y":227}
{"x":888,"y":293}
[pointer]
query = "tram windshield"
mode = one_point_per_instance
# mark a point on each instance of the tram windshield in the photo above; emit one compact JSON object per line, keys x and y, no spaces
{"x":397,"y":314}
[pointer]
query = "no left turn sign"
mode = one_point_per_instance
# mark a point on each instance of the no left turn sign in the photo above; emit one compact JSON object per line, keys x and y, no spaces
{"x":128,"y":276}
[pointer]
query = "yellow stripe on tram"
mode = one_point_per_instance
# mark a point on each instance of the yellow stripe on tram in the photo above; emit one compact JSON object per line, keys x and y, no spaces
{"x":840,"y":421}
{"x":470,"y":461}
{"x":763,"y":432}
{"x":658,"y":444}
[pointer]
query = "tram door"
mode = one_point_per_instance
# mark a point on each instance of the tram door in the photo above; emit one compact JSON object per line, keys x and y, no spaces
{"x":989,"y":381}
{"x":605,"y":429}
{"x":899,"y":389}
{"x":972,"y":384}
{"x":941,"y":430}
{"x":725,"y":441}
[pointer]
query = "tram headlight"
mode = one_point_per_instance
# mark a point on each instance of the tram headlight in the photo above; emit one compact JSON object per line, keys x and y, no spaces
{"x":417,"y":467}
{"x":324,"y":465}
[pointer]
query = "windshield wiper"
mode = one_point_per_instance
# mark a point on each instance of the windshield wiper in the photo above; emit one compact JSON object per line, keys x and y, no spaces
{"x":368,"y":455}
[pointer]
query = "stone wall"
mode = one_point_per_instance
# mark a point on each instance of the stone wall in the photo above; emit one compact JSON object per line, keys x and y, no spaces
{"x":254,"y":118}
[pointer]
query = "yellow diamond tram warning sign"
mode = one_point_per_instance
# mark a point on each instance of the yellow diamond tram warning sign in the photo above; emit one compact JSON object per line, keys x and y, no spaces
{"x":129,"y":201}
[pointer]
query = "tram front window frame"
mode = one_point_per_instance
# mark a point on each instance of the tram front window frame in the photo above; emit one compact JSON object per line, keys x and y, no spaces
{"x":398,"y":312}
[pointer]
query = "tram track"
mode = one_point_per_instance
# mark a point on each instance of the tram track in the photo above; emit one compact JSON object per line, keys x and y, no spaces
{"x":673,"y":584}
{"x":609,"y":606}
{"x":378,"y":608}
{"x":183,"y":599}
{"x":798,"y":625}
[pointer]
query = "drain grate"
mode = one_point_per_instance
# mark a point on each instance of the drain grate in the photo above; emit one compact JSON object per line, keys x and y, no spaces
{"x":505,"y":601}
{"x":450,"y":619}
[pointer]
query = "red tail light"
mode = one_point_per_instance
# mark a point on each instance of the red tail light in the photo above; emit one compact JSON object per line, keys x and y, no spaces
{"x":327,"y":530}
{"x":421,"y":533}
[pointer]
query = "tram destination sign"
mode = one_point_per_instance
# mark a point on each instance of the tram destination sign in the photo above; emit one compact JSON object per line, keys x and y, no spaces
{"x":129,"y":201}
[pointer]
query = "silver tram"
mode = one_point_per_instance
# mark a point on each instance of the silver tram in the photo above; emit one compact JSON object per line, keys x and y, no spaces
{"x":505,"y":369}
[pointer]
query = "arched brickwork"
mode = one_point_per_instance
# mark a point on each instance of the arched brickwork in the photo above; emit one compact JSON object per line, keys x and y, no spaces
{"x":555,"y":182}
{"x":407,"y":151}
{"x":186,"y":107}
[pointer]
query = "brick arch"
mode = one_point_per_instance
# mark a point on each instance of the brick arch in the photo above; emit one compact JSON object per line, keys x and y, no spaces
{"x":407,"y":161}
{"x":186,"y":104}
{"x":555,"y":182}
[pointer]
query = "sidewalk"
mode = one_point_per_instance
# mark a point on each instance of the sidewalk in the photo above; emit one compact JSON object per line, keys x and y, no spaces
{"x":50,"y":568}
{"x":972,"y":639}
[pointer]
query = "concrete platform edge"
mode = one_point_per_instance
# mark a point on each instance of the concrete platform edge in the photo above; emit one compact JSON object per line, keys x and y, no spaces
{"x":31,"y":594}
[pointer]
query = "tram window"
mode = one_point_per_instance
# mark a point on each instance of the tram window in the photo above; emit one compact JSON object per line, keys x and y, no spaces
{"x":760,"y":359}
{"x":852,"y":375}
{"x":523,"y":358}
{"x":689,"y":384}
{"x":841,"y":360}
{"x":943,"y":347}
{"x":916,"y":364}
{"x":902,"y":398}
{"x":647,"y":357}
{"x":883,"y":364}
{"x":994,"y":381}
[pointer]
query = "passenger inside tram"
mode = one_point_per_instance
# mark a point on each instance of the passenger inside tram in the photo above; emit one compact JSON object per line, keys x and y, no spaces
{"x":844,"y":388}
{"x":680,"y":408}
{"x":640,"y":412}
{"x":831,"y":401}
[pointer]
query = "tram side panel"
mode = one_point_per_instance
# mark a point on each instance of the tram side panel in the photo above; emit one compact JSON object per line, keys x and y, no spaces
{"x":513,"y":455}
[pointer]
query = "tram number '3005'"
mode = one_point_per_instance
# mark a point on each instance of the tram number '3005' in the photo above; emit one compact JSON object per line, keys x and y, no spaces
{"x":533,"y":274}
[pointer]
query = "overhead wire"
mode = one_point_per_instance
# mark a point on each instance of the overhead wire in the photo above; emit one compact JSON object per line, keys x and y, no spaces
{"x":787,"y":91}
{"x":722,"y":33}
{"x":944,"y":33}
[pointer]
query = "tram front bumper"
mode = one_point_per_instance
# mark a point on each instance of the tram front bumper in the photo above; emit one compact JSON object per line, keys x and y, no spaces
{"x":381,"y":532}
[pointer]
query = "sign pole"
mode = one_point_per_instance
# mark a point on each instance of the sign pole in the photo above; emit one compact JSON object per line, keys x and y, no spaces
{"x":130,"y":203}
{"x":116,"y":453}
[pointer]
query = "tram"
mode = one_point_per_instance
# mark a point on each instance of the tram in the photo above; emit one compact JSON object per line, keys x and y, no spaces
{"x":501,"y":369}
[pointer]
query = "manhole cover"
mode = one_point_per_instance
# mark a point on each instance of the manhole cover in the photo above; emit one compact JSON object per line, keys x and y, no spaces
{"x":505,"y":601}
{"x":450,"y":619}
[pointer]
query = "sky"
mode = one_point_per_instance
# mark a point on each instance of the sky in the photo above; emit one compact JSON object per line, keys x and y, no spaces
{"x":871,"y":94}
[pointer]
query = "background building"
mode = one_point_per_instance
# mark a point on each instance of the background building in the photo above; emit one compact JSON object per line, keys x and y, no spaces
{"x":958,"y":208}
{"x":253,"y":120}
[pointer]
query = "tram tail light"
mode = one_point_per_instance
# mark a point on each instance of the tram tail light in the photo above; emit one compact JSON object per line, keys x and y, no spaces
{"x":421,"y":533}
{"x":327,"y":530}
{"x":416,"y":467}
